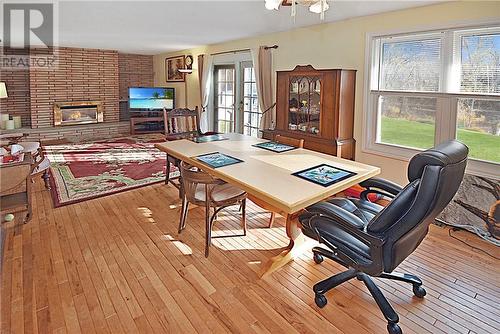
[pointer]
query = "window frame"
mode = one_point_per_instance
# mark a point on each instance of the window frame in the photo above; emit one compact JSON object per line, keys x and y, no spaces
{"x":447,"y":96}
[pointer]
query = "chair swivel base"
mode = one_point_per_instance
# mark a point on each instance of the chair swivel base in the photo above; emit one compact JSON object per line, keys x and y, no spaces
{"x":387,"y":310}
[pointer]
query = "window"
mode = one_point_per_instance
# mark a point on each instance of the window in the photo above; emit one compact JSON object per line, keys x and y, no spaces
{"x":480,"y":63}
{"x":478,"y":126}
{"x":412,"y":65}
{"x":407,"y":120}
{"x":425,"y":88}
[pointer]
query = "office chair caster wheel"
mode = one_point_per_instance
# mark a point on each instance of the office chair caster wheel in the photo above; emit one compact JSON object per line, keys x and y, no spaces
{"x":320,"y":300}
{"x":419,"y":291}
{"x":393,"y":328}
{"x":318,"y":258}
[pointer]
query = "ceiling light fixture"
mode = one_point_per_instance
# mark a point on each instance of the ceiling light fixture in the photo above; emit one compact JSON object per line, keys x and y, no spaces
{"x":315,"y":6}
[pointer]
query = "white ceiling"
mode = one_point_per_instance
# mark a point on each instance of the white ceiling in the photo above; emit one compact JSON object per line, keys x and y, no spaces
{"x":152,"y":27}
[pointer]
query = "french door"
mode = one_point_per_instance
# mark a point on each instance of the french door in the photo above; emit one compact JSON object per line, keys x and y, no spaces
{"x":225,"y":97}
{"x":249,"y":102}
{"x":236,"y":107}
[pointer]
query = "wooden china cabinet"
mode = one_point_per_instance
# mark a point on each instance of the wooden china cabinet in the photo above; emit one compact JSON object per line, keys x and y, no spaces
{"x":317,"y":106}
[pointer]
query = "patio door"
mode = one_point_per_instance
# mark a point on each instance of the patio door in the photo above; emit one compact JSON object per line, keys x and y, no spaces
{"x":249,"y":104}
{"x":236,"y":106}
{"x":225,"y":97}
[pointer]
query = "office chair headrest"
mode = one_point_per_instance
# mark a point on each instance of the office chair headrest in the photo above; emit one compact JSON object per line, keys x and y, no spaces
{"x":447,"y":153}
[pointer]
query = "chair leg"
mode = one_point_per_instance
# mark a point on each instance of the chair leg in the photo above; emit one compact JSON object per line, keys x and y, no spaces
{"x":243,"y":216}
{"x":167,"y":171}
{"x":216,"y":214}
{"x":29,"y":214}
{"x":324,"y":286}
{"x":331,"y":282}
{"x":208,"y":228}
{"x":46,"y":179}
{"x":271,"y":220}
{"x":183,"y":215}
{"x":181,"y":188}
{"x":416,"y":282}
{"x":387,"y":310}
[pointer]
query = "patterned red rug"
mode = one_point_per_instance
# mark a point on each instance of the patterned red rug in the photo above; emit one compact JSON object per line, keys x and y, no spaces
{"x":83,"y":171}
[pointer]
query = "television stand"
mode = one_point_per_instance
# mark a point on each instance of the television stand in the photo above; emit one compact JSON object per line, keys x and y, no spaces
{"x":148,"y":124}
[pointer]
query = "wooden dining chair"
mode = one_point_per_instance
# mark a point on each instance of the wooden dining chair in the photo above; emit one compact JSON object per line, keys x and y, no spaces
{"x":180,"y":123}
{"x":299,"y":143}
{"x":201,"y":189}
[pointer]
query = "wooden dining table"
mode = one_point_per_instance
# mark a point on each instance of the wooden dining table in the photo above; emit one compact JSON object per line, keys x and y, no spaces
{"x":267,"y":177}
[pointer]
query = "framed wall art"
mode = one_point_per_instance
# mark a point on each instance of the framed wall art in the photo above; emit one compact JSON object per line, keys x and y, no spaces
{"x":172,"y":66}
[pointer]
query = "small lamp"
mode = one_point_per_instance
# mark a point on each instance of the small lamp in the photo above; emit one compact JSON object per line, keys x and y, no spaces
{"x":3,"y":117}
{"x":3,"y":90}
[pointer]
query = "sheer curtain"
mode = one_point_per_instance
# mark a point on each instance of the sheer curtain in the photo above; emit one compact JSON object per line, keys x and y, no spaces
{"x":263,"y":67}
{"x":205,"y":63}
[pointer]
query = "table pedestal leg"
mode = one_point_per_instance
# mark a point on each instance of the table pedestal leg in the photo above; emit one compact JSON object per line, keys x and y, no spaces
{"x":296,"y":247}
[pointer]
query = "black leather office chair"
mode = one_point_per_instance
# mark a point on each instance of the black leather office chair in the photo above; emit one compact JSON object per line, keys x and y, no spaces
{"x":371,"y":240}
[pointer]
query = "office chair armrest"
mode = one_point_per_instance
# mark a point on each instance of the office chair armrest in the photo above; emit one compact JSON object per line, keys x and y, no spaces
{"x":330,"y":210}
{"x":344,"y":219}
{"x":346,"y":254}
{"x":380,"y":186}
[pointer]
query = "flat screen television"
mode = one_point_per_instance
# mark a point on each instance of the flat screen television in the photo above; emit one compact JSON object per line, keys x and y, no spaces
{"x":151,"y":98}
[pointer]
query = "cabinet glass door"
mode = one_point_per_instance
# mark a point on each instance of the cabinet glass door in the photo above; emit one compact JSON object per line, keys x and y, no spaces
{"x":304,"y":105}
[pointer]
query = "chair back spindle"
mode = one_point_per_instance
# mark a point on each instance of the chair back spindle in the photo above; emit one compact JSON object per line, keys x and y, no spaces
{"x":181,"y":123}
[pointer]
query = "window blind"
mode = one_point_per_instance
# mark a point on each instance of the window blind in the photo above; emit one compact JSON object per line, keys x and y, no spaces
{"x":480,"y":63}
{"x":410,"y":65}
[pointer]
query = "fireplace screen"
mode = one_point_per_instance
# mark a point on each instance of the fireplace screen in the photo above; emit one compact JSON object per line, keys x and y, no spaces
{"x":74,"y":113}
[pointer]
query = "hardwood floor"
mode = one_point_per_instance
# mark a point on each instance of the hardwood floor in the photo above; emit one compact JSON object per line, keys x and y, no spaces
{"x":117,"y":265}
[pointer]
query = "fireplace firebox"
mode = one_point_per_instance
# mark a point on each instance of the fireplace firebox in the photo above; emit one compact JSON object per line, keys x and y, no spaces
{"x":78,"y":113}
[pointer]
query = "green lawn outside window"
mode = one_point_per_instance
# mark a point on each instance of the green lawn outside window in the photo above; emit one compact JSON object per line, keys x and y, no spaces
{"x":403,"y":132}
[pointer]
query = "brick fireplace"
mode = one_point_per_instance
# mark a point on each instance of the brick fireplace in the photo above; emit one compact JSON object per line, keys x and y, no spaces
{"x":82,"y":75}
{"x":92,"y":80}
{"x":78,"y":113}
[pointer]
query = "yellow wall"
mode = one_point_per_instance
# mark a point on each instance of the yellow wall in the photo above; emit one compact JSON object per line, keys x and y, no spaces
{"x":340,"y":45}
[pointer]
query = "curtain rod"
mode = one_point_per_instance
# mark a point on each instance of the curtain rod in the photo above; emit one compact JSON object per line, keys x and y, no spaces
{"x":241,"y":50}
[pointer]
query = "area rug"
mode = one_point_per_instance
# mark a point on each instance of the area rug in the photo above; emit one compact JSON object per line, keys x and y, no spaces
{"x":83,"y":171}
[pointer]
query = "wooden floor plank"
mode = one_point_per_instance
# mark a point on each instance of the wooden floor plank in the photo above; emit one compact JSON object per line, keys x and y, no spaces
{"x":117,"y":265}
